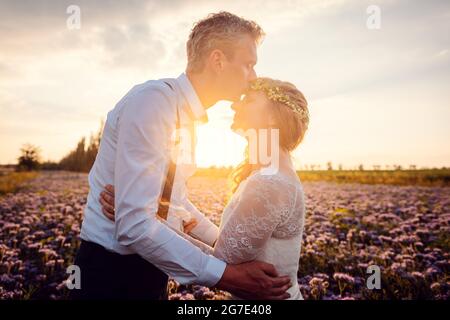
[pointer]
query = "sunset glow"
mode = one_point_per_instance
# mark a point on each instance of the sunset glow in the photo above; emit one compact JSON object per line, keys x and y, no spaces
{"x":376,"y":97}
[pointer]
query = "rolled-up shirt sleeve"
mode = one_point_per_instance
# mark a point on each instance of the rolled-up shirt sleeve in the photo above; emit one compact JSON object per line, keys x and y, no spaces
{"x":145,"y":125}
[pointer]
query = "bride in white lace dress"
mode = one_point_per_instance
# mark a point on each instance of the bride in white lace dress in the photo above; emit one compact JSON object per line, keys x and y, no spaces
{"x":265,"y":216}
{"x":264,"y":221}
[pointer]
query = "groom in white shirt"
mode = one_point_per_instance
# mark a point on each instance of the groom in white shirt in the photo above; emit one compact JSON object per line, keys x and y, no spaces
{"x":133,"y":257}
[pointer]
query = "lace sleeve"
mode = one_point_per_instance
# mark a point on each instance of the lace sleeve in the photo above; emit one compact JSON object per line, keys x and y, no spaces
{"x":262,"y":205}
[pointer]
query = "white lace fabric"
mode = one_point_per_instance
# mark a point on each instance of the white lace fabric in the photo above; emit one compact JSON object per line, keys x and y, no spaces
{"x":263,"y":221}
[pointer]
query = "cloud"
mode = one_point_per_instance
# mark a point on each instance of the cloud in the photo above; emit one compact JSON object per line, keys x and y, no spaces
{"x":128,"y":33}
{"x":120,"y":30}
{"x":132,"y":46}
{"x":7,"y":71}
{"x":332,"y":52}
{"x":54,"y":79}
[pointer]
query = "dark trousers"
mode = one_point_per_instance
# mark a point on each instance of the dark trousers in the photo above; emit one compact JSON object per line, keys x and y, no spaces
{"x":109,"y":275}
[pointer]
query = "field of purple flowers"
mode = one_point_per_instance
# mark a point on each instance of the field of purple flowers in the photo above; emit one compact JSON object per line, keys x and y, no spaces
{"x":402,"y":229}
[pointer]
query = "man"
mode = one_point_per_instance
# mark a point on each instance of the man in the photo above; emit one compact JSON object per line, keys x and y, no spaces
{"x":133,"y":257}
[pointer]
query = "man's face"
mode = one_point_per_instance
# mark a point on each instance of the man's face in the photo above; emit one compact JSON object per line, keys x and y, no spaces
{"x":238,"y":71}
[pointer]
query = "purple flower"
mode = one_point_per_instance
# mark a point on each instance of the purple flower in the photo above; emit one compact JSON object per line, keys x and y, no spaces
{"x":344,"y":277}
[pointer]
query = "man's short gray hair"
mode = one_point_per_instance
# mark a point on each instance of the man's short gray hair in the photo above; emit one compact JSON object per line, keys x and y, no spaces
{"x":218,"y":31}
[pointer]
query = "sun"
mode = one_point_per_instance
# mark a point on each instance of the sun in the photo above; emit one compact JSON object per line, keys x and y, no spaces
{"x":217,"y":145}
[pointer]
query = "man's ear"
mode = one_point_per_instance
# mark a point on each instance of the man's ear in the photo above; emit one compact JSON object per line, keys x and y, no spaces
{"x":216,"y":59}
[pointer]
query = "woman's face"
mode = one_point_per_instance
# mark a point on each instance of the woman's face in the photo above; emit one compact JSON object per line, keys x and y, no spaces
{"x":252,"y":112}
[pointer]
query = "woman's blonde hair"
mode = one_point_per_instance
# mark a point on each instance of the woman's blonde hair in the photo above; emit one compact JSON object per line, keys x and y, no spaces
{"x":218,"y":31}
{"x":289,"y":110}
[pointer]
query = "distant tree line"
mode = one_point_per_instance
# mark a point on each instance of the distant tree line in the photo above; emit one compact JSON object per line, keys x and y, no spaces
{"x":376,"y":167}
{"x":83,"y":156}
{"x":79,"y":159}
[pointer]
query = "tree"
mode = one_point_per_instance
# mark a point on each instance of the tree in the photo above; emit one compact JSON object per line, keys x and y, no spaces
{"x":329,"y":166}
{"x":83,"y":156}
{"x":29,"y":159}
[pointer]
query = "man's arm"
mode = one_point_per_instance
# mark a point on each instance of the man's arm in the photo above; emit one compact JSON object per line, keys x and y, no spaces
{"x":145,"y":126}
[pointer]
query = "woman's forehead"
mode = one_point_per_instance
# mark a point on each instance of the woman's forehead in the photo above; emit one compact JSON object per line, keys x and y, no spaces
{"x":254,"y":94}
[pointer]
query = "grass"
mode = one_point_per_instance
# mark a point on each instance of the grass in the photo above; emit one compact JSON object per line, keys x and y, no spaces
{"x":431,"y":177}
{"x":427,"y":177}
{"x":14,"y":181}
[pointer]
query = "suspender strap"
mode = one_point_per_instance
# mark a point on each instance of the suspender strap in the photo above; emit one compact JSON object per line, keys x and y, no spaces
{"x":164,"y":202}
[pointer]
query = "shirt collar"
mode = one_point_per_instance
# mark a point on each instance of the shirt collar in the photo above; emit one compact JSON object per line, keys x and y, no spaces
{"x":197,"y":110}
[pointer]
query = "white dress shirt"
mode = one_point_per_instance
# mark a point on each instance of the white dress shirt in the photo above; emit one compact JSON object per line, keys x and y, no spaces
{"x":134,"y":152}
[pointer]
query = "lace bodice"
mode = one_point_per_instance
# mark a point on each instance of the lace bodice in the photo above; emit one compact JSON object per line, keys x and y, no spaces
{"x":264,"y":207}
{"x":263,"y":221}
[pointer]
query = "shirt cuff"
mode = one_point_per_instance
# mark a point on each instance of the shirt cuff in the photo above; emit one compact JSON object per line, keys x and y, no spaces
{"x":213,"y":272}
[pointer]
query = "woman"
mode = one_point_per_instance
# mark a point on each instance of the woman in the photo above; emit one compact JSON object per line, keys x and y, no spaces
{"x":265,"y":216}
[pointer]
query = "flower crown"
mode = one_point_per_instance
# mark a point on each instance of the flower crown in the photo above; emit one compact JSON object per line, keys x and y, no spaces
{"x":277,"y":94}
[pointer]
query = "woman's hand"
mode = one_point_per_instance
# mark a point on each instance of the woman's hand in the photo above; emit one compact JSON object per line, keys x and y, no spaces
{"x":107,"y":202}
{"x":188,"y":226}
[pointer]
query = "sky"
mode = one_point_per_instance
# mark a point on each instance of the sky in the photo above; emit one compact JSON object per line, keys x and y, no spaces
{"x":376,"y":96}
